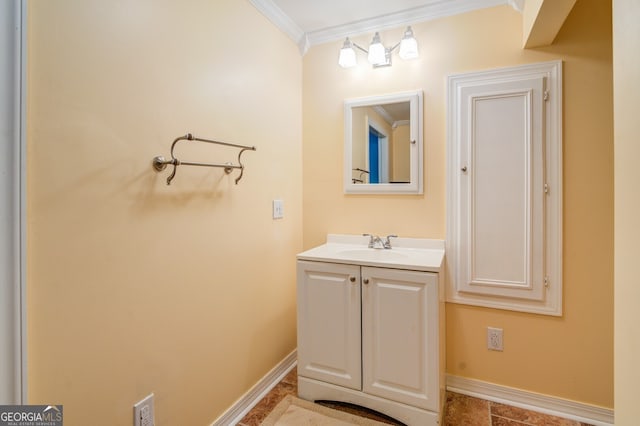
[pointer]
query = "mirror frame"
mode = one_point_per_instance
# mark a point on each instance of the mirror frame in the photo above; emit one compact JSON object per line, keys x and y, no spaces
{"x":416,"y":149}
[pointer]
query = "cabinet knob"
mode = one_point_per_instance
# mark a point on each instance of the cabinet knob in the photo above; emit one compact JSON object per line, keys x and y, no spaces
{"x":352,"y":279}
{"x":366,"y":281}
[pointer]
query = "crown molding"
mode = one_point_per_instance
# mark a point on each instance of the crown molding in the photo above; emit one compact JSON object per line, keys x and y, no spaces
{"x":383,"y":113}
{"x":434,"y":10}
{"x":281,"y":20}
{"x":517,"y":5}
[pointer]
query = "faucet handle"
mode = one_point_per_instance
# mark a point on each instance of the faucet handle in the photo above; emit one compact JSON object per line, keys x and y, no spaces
{"x":371,"y":239}
{"x":387,"y":242}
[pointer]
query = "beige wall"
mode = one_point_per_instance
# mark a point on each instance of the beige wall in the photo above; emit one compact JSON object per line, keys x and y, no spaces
{"x":626,"y":44}
{"x":568,"y":357}
{"x":188,"y":290}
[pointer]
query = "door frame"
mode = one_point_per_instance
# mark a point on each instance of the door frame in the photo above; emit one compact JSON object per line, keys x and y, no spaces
{"x":22,"y":217}
{"x":14,"y":194}
{"x":383,"y":150}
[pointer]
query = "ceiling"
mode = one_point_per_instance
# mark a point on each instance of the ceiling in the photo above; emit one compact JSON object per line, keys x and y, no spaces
{"x":311,"y":22}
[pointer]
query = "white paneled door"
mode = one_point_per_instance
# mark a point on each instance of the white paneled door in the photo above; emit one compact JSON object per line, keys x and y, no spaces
{"x":502,"y":189}
{"x":505,"y":188}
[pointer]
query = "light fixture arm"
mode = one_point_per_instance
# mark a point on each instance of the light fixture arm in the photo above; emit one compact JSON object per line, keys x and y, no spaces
{"x":359,"y":47}
{"x":391,"y":49}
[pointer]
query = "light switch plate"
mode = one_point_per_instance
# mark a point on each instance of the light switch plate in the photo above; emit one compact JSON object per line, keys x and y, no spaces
{"x":278,"y":209}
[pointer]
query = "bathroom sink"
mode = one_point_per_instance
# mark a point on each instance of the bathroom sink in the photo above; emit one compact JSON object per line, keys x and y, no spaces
{"x":373,"y":254}
{"x":406,"y":253}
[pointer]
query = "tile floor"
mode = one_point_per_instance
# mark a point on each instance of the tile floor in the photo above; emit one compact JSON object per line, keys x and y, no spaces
{"x":460,"y":410}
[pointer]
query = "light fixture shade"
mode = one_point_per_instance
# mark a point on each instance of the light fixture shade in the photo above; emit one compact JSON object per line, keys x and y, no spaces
{"x":377,"y":53}
{"x":347,"y":57}
{"x":408,"y":45}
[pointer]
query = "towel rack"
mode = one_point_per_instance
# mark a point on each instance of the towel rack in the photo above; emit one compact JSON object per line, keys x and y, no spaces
{"x":160,"y":163}
{"x":362,"y":173}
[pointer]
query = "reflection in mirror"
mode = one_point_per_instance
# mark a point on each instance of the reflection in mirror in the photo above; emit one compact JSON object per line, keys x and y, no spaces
{"x":381,"y":151}
{"x":383,"y":144}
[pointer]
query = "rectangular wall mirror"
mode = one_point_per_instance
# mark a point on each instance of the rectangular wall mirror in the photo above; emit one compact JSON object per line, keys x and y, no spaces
{"x":383,"y":144}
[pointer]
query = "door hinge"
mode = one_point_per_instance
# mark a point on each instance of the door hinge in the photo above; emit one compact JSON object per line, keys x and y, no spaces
{"x":546,"y":95}
{"x":546,"y":188}
{"x":546,"y":281}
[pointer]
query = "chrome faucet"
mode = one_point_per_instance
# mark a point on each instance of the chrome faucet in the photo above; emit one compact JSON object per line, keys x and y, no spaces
{"x":387,"y":241}
{"x":376,"y":242}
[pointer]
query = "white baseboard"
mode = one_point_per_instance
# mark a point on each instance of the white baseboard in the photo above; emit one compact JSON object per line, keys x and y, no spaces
{"x":597,"y":416}
{"x":247,"y":401}
{"x":568,"y":409}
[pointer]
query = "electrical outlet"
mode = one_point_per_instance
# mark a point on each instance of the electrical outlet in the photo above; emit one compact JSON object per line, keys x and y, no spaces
{"x":494,"y":339}
{"x":143,"y":412}
{"x":278,"y":209}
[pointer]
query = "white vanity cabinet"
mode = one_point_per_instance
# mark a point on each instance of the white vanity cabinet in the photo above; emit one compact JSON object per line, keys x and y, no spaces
{"x":371,"y":333}
{"x":399,"y":336}
{"x":329,"y":332}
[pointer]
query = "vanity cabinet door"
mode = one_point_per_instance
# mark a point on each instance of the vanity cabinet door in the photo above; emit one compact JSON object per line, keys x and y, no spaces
{"x":400,"y":336}
{"x":329,"y":323}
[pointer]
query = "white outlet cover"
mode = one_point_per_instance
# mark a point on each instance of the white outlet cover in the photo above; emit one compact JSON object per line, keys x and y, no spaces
{"x":494,"y":339}
{"x":143,"y":414}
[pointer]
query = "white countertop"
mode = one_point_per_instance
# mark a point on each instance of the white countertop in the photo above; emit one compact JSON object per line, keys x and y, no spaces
{"x":417,"y":254}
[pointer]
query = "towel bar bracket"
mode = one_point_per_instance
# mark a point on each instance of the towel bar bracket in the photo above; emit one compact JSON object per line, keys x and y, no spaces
{"x":160,"y":163}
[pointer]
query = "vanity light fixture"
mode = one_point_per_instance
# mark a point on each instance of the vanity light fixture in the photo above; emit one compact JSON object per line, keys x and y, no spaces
{"x":378,"y":55}
{"x":348,"y":54}
{"x":408,"y":45}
